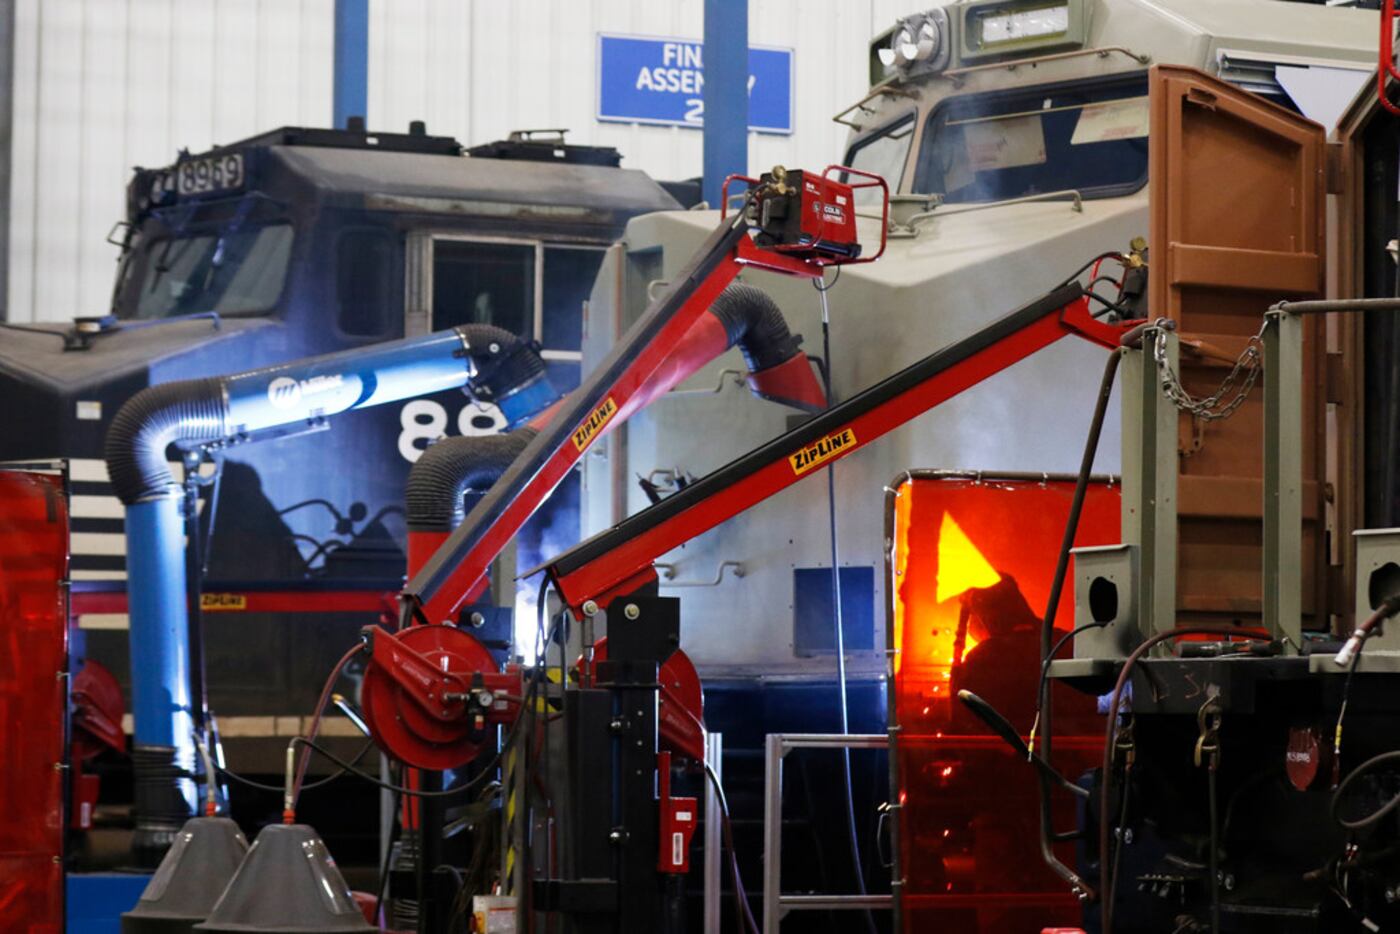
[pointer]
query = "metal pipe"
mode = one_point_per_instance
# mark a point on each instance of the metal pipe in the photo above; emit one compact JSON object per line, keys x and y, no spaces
{"x":350,"y":65}
{"x":1322,"y":306}
{"x":1067,"y":194}
{"x":773,"y":751}
{"x":1081,"y":488}
{"x":218,"y":411}
{"x":714,"y":835}
{"x":725,"y":147}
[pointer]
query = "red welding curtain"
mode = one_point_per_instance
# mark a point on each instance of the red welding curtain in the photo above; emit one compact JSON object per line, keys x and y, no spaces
{"x":33,"y":698}
{"x":973,"y":562}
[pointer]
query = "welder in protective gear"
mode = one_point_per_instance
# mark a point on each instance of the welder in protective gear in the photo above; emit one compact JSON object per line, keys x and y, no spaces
{"x":1004,"y":667}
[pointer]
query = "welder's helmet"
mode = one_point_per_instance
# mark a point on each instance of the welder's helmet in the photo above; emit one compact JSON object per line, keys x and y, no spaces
{"x":1000,"y":607}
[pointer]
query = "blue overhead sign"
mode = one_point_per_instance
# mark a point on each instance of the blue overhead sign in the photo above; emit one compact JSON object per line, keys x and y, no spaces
{"x":644,"y":80}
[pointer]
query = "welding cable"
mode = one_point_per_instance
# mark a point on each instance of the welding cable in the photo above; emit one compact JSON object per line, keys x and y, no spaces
{"x":1342,"y":711}
{"x":1106,"y":883}
{"x":1112,"y":254}
{"x":1108,"y":305}
{"x":511,"y":734}
{"x":840,"y":622}
{"x":1350,"y":656}
{"x":1044,"y":711}
{"x":1388,"y":608}
{"x":1214,"y":860}
{"x":390,"y":786}
{"x":211,"y":806}
{"x":315,"y":728}
{"x":1379,"y":813}
{"x":1003,"y":728}
{"x":742,"y":911}
{"x":1060,"y":643}
{"x":326,"y":780}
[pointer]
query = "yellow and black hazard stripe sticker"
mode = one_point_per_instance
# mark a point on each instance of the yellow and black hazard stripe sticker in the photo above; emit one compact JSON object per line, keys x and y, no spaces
{"x":594,"y":423}
{"x":821,"y":451}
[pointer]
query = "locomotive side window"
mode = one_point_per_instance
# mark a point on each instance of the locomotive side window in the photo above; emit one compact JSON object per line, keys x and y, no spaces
{"x":364,"y":281}
{"x":232,"y":272}
{"x":1087,"y":136}
{"x":484,"y":282}
{"x":882,"y":152}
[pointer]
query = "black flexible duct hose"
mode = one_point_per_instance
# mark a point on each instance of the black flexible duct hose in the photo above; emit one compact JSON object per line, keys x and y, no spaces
{"x":756,"y":325}
{"x":504,"y":362}
{"x":453,"y":467}
{"x":185,"y":410}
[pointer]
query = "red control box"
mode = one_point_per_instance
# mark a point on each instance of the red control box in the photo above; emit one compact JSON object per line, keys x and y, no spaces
{"x":678,"y":818}
{"x":807,"y":215}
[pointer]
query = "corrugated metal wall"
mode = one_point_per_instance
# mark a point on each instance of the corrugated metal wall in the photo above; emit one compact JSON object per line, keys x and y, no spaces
{"x":103,"y":85}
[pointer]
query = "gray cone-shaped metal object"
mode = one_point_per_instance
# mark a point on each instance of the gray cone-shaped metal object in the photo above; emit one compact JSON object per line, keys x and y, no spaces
{"x":199,"y":864}
{"x":287,"y":883}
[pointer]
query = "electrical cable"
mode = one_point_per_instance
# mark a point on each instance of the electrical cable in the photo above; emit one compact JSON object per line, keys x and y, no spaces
{"x":1110,"y":738}
{"x":1122,"y":824}
{"x":840,"y":624}
{"x":1045,"y":675}
{"x":326,"y":780}
{"x":1342,"y":711}
{"x":321,"y":703}
{"x":1082,"y":269}
{"x":395,"y":829}
{"x":1214,"y":859}
{"x":19,"y":327}
{"x":820,"y":284}
{"x":1110,"y":305}
{"x":741,"y":898}
{"x":390,"y":786}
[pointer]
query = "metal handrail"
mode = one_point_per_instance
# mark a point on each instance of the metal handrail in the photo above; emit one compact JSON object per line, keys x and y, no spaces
{"x":1104,"y":52}
{"x":1068,"y":194}
{"x":886,"y":89}
{"x":775,"y":904}
{"x":668,"y":574}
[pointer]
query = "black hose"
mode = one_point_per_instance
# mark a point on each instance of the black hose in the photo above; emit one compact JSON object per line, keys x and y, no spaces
{"x":1047,"y":626}
{"x":1379,"y":813}
{"x":756,"y":326}
{"x":452,"y":468}
{"x":149,"y":422}
{"x":505,"y":363}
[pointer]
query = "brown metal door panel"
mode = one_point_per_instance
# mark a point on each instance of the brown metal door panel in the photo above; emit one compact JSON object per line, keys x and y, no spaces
{"x":1237,"y":223}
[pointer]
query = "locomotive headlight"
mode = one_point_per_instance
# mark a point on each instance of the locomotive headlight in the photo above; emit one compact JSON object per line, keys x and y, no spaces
{"x":919,"y":39}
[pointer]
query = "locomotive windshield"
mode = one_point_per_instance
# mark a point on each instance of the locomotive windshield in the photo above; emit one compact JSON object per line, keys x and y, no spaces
{"x":232,"y":272}
{"x":1089,"y":137}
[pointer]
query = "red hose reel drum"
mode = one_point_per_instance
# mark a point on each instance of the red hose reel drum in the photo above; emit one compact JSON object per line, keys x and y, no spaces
{"x":430,"y":692}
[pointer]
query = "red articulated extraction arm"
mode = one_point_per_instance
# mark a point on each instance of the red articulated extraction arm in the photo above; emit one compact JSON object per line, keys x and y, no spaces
{"x":791,"y":222}
{"x":619,"y":561}
{"x":431,"y":690}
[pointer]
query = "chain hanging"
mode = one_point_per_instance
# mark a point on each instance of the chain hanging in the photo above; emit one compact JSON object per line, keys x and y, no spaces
{"x":1228,"y":397}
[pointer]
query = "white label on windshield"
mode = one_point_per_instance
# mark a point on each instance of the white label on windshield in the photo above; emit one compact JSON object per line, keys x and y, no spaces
{"x":1101,"y":123}
{"x":1004,"y":144}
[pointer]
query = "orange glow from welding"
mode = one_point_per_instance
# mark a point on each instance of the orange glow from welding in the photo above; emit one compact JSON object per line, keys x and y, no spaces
{"x":961,"y":567}
{"x":929,"y":601}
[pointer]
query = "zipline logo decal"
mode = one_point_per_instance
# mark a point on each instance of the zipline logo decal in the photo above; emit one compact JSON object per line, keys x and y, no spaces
{"x":223,"y":602}
{"x":821,"y":451}
{"x":594,"y":423}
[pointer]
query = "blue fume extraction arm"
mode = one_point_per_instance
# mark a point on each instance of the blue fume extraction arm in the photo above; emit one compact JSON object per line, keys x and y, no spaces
{"x":494,"y":364}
